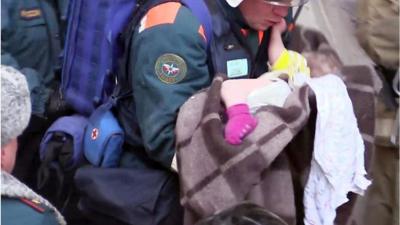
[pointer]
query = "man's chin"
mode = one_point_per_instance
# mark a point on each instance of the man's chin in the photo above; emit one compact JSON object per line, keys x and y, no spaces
{"x":263,"y":27}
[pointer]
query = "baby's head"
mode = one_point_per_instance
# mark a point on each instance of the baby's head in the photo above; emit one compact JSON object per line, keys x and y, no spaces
{"x":322,"y":62}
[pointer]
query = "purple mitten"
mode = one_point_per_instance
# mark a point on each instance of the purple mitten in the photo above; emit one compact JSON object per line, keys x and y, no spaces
{"x":240,"y":123}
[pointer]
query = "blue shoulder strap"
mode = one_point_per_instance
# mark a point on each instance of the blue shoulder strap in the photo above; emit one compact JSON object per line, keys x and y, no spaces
{"x":200,"y":10}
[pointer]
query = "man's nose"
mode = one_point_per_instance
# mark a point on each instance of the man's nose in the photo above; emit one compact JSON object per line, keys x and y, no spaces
{"x":280,"y":10}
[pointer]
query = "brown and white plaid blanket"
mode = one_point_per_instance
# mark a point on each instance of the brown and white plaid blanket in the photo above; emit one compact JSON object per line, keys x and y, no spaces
{"x":215,"y":175}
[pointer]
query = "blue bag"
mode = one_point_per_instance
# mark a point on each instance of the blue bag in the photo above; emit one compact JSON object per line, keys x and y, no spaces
{"x":103,"y":138}
{"x":67,"y":128}
{"x":61,"y":153}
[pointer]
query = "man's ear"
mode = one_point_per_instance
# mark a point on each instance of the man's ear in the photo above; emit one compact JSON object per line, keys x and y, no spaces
{"x":8,"y":155}
{"x":3,"y":153}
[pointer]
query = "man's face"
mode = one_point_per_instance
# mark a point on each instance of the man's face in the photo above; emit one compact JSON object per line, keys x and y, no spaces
{"x":8,"y":155}
{"x":260,"y":15}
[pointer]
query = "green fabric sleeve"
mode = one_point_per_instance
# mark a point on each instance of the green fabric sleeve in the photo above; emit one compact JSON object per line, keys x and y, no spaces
{"x":157,"y":102}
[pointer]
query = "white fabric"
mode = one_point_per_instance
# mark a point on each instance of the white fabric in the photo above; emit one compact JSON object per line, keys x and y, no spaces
{"x":274,"y":93}
{"x":337,"y":165}
{"x":234,"y":3}
{"x":298,"y":80}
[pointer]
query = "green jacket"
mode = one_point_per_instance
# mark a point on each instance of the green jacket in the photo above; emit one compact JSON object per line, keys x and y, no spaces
{"x":168,"y":64}
{"x":15,"y":211}
{"x":31,"y":41}
{"x":21,"y":206}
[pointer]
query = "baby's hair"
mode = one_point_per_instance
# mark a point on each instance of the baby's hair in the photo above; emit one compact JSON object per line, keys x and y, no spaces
{"x":322,"y":62}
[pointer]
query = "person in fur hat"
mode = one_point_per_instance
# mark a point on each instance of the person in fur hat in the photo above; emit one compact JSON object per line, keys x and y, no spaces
{"x":19,"y":204}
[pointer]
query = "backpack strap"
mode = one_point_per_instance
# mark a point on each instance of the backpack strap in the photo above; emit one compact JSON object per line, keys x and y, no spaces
{"x":291,"y":24}
{"x":200,"y":10}
{"x":126,"y":37}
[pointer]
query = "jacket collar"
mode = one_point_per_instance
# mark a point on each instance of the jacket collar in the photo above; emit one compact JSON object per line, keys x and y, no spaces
{"x":13,"y":188}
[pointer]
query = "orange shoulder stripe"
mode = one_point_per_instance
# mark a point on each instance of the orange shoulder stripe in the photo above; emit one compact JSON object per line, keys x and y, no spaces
{"x":162,"y":14}
{"x":260,"y":36}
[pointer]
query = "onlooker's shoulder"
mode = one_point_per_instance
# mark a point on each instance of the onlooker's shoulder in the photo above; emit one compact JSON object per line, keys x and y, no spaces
{"x":21,"y":211}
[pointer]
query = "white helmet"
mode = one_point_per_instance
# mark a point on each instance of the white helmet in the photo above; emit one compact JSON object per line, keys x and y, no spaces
{"x":235,"y":3}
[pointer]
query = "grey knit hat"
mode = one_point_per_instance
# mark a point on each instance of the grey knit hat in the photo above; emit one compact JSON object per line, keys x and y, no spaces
{"x":15,"y":103}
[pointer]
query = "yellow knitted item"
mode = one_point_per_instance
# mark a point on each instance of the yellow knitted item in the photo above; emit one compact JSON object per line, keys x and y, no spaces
{"x":291,"y":62}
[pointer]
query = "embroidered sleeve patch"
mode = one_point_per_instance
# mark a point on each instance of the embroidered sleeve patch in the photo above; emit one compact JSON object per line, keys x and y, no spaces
{"x":170,"y":68}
